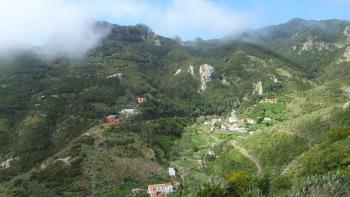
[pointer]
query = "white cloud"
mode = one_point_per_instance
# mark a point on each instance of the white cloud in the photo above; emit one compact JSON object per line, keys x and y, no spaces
{"x":64,"y":28}
{"x":192,"y":18}
{"x":34,"y":21}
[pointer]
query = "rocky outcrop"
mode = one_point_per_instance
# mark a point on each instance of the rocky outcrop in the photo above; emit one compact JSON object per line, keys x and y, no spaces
{"x":284,"y":73}
{"x":177,"y":72}
{"x":67,"y":160}
{"x":346,"y":55}
{"x":116,"y":75}
{"x":258,"y":88}
{"x":205,"y":71}
{"x":191,"y":70}
{"x":225,"y":82}
{"x":308,"y":44}
{"x":7,"y":163}
{"x":157,"y":42}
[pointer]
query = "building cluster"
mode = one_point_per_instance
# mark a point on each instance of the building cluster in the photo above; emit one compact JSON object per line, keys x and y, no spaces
{"x":161,"y":189}
{"x":230,"y":125}
{"x":116,"y":119}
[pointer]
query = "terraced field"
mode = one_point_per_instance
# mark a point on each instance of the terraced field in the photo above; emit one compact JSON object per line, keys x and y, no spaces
{"x":200,"y":148}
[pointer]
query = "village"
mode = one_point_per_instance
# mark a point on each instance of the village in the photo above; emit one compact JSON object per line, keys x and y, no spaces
{"x":229,"y":126}
{"x":209,"y":131}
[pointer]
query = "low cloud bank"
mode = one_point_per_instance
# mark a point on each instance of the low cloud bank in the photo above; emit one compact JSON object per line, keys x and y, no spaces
{"x":63,"y":27}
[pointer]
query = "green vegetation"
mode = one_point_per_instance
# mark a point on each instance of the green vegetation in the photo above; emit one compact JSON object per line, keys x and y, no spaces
{"x":54,"y":140}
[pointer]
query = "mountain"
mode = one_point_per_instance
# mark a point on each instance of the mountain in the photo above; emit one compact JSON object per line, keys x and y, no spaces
{"x":287,"y":84}
{"x":314,"y":45}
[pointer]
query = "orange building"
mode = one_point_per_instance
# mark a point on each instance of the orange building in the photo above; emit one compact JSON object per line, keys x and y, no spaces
{"x":141,"y":99}
{"x":113,"y":119}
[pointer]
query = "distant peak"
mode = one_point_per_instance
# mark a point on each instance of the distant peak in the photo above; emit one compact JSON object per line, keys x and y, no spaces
{"x":297,"y":20}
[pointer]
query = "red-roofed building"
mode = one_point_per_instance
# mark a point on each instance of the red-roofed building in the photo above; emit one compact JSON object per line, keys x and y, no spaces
{"x":112,"y":119}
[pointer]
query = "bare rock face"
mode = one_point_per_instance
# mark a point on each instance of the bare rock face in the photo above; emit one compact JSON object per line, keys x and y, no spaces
{"x":205,"y":71}
{"x":157,"y":42}
{"x":225,"y":82}
{"x":346,"y":55}
{"x":258,"y":88}
{"x":7,"y":163}
{"x":347,"y":31}
{"x":177,"y":72}
{"x":191,"y":70}
{"x":116,"y":75}
{"x":308,"y":44}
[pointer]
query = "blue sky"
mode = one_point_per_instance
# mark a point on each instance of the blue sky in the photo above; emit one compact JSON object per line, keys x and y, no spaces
{"x":259,"y":13}
{"x":33,"y":21}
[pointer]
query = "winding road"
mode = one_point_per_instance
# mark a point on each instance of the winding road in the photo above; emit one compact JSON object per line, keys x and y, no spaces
{"x":244,"y":152}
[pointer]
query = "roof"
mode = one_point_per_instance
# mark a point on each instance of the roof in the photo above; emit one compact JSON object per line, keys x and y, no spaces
{"x":128,"y":111}
{"x":172,"y":171}
{"x":159,"y":185}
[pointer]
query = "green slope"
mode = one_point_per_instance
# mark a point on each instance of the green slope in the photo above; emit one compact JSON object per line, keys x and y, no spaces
{"x":52,"y":114}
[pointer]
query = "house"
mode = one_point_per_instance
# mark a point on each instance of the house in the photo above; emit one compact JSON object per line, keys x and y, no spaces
{"x":141,"y":99}
{"x":112,"y":119}
{"x":271,"y":101}
{"x":159,"y":190}
{"x":172,"y":172}
{"x":129,"y":112}
{"x":215,"y":121}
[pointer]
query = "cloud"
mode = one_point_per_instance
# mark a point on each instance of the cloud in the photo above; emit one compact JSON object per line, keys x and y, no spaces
{"x":63,"y":29}
{"x":191,"y":18}
{"x":186,"y":18}
{"x":36,"y":21}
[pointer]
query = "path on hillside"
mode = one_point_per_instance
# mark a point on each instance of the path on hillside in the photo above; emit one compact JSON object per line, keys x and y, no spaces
{"x":244,"y":152}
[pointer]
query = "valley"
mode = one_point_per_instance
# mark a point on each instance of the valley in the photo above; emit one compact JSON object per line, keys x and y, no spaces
{"x":265,"y":113}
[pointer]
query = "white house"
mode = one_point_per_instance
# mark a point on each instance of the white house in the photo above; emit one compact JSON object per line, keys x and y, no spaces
{"x":129,"y":112}
{"x":172,"y":172}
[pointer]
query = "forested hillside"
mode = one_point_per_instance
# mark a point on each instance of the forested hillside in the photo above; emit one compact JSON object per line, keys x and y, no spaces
{"x":265,"y":113}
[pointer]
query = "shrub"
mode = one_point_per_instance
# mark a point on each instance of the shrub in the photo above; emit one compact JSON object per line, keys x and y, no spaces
{"x":212,"y":189}
{"x":239,"y":182}
{"x":330,"y":184}
{"x":338,"y":133}
{"x":281,"y":183}
{"x":263,"y":183}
